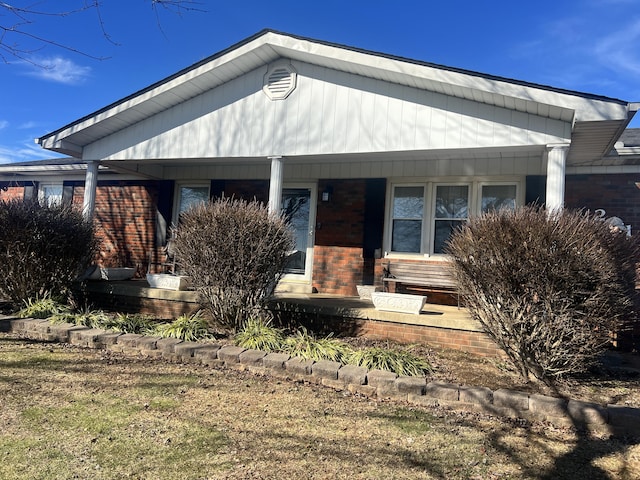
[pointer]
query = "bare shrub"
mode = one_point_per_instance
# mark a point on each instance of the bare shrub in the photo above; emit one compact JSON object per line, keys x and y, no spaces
{"x":42,"y":249}
{"x":549,"y":289}
{"x":235,"y":253}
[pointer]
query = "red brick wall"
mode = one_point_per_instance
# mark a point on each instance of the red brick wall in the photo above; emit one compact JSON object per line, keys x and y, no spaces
{"x":12,"y":193}
{"x":338,"y":262}
{"x":125,"y":221}
{"x":337,"y":270}
{"x":616,"y":194}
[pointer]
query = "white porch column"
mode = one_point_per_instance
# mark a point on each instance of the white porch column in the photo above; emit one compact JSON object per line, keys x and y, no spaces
{"x":275,"y":184}
{"x":556,"y":164}
{"x":90,"y":185}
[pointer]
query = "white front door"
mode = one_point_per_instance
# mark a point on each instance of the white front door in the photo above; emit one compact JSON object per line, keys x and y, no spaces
{"x":299,"y":207}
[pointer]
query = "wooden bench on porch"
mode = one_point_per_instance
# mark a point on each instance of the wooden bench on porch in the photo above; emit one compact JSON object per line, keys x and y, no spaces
{"x":435,"y":277}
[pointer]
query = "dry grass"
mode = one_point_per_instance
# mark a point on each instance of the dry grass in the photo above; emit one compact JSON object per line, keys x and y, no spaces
{"x":71,"y":413}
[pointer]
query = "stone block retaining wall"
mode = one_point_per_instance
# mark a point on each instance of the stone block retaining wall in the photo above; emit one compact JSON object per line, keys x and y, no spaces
{"x":613,"y":419}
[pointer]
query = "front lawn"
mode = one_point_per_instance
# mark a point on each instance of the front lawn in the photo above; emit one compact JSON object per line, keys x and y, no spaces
{"x":73,"y":413}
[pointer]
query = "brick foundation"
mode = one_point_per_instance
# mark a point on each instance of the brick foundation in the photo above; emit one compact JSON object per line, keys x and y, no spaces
{"x":477,"y":343}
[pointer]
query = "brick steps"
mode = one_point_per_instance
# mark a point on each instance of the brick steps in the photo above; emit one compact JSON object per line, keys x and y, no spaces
{"x":612,"y":419}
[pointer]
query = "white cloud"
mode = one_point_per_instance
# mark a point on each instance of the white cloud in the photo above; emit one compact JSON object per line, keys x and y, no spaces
{"x":22,"y":151}
{"x":3,"y":124}
{"x":58,"y":69}
{"x":619,"y":50}
{"x":28,"y":125}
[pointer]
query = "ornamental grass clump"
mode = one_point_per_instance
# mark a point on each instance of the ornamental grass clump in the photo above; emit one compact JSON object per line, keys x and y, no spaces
{"x":258,"y":334}
{"x":42,"y":307}
{"x":43,"y":249}
{"x":548,"y":288}
{"x":234,"y":253}
{"x":189,"y":328}
{"x":87,"y":317}
{"x":401,"y":362}
{"x":306,"y":345}
{"x":130,"y":323}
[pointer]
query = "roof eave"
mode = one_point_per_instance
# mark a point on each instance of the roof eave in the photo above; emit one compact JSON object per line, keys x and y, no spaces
{"x":565,"y":105}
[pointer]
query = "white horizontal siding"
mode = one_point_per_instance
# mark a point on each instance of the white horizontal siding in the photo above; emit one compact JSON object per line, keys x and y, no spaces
{"x":329,"y":113}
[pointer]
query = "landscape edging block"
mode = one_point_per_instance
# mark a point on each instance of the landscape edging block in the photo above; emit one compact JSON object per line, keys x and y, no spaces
{"x":275,"y":361}
{"x":299,"y":366}
{"x":617,"y":419}
{"x":326,"y":369}
{"x":442,"y":391}
{"x":353,"y":374}
{"x":230,"y":354}
{"x":252,"y":357}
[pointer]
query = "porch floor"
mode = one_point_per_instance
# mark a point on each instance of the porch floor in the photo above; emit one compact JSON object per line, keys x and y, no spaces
{"x":432,"y":315}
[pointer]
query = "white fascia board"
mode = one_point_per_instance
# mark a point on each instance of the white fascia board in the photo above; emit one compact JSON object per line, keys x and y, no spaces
{"x":149,"y":95}
{"x":573,"y":107}
{"x":586,"y":109}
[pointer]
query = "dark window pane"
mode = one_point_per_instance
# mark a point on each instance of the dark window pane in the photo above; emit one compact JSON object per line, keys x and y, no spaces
{"x":443,"y":230}
{"x":497,"y":197}
{"x":407,"y":236}
{"x":452,"y":201}
{"x":408,"y":202}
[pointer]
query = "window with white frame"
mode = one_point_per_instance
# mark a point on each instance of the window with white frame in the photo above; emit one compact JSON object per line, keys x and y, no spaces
{"x":189,"y":195}
{"x":423,"y":216}
{"x":50,"y":194}
{"x":408,"y":213}
{"x":451,"y":211}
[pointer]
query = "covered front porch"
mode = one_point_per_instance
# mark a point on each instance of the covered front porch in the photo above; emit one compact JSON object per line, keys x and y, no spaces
{"x":437,"y":325}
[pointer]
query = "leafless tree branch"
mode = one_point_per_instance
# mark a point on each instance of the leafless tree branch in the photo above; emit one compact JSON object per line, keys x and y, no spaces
{"x":16,"y":20}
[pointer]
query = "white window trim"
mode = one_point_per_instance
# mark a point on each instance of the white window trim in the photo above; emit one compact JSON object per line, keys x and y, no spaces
{"x":428,"y":222}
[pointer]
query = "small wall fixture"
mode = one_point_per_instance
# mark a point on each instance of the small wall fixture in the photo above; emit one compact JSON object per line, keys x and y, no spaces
{"x":327,"y":193}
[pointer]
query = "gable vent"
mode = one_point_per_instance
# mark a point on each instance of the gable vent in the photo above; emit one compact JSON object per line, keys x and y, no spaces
{"x":279,"y":82}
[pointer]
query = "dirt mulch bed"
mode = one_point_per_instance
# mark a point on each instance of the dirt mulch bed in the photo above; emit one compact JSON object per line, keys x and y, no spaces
{"x":615,"y":381}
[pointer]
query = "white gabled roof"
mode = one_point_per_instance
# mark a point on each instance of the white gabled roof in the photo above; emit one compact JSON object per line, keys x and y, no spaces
{"x":598,"y":121}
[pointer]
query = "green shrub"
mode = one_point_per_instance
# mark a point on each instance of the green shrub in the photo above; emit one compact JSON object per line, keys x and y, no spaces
{"x":258,"y":334}
{"x":401,"y":362}
{"x":42,"y":307}
{"x":42,"y":249}
{"x":548,"y":289}
{"x":305,"y":345}
{"x":234,"y":253}
{"x":190,"y":328}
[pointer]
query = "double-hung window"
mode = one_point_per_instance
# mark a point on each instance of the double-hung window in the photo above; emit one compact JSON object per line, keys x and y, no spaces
{"x":423,"y":216}
{"x":408,"y":214}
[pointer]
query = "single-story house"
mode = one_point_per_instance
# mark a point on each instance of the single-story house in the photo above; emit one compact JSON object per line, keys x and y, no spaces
{"x":386,"y":155}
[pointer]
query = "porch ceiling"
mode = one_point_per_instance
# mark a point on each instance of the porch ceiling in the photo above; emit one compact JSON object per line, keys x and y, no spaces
{"x":154,"y":169}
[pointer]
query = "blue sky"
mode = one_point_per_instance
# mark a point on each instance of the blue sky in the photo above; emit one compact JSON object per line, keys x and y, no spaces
{"x":585,"y":45}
